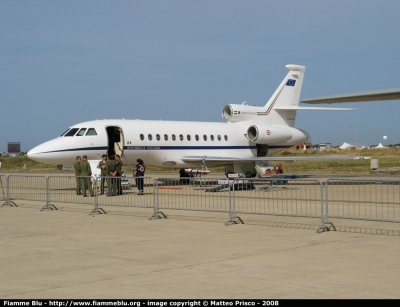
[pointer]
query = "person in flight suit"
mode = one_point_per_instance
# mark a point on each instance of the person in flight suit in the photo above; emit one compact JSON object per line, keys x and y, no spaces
{"x":86,"y":171}
{"x":111,"y":171}
{"x":103,"y":173}
{"x":138,"y":172}
{"x":77,"y":168}
{"x":118,"y":166}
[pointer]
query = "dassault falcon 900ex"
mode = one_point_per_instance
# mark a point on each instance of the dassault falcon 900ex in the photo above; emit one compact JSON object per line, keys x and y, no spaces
{"x":250,"y":135}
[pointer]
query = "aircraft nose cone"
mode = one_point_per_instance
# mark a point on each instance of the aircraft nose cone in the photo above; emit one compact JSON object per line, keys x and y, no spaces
{"x":46,"y":152}
{"x":34,"y":154}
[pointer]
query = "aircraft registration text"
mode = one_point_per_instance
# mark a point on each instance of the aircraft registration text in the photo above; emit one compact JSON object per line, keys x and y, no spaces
{"x":143,"y":148}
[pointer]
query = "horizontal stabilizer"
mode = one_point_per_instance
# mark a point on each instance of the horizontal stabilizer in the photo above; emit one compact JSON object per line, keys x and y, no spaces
{"x":297,"y":108}
{"x":390,"y":94}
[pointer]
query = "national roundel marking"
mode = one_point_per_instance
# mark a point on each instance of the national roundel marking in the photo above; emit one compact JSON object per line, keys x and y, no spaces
{"x":268,"y":132}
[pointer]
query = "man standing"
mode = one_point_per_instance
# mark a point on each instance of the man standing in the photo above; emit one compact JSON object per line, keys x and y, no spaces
{"x":86,"y":171}
{"x":102,"y":166}
{"x":118,"y":169}
{"x":138,"y":173}
{"x":111,"y":171}
{"x":77,"y":168}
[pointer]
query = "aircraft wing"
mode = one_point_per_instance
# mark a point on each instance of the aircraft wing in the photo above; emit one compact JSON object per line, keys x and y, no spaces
{"x":390,"y":94}
{"x":194,"y":159}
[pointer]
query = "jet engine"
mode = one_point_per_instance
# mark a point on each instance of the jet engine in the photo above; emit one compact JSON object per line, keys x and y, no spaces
{"x":242,"y":112}
{"x":268,"y":134}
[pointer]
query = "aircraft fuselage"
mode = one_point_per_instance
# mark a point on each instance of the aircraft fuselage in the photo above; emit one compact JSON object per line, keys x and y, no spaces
{"x":158,"y":143}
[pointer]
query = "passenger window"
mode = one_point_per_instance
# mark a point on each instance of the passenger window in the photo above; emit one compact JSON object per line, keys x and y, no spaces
{"x":166,"y":137}
{"x":205,"y":137}
{"x":150,"y":137}
{"x":225,"y":137}
{"x":81,"y":132}
{"x":188,"y":137}
{"x":157,"y":137}
{"x":196,"y":137}
{"x":219,"y":137}
{"x":181,"y":137}
{"x":64,"y":132}
{"x":91,"y":131}
{"x":72,"y":132}
{"x":141,"y":137}
{"x":173,"y":137}
{"x":212,"y":137}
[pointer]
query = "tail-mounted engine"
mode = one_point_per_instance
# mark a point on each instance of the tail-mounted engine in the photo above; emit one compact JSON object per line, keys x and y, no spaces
{"x":276,"y":134}
{"x":268,"y":134}
{"x":234,"y":113}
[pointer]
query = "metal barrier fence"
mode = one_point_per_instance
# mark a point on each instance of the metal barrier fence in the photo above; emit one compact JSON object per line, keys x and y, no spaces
{"x":191,"y":194}
{"x":19,"y":187}
{"x":64,"y":189}
{"x":275,"y":196}
{"x":377,"y":200}
{"x":126,"y":193}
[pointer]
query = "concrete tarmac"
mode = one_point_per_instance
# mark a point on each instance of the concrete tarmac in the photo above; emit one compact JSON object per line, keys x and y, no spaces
{"x":67,"y":253}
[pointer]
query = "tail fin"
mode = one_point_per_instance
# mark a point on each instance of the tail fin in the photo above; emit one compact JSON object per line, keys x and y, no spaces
{"x":281,"y":107}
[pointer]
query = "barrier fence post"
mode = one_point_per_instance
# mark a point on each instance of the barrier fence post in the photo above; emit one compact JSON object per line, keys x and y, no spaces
{"x":96,"y":208}
{"x":7,"y":196}
{"x":2,"y":188}
{"x":233,"y":218}
{"x":324,"y":210}
{"x":48,"y":205}
{"x":156,"y":207}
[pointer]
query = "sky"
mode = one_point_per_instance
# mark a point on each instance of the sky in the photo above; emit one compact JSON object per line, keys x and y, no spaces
{"x":66,"y":62}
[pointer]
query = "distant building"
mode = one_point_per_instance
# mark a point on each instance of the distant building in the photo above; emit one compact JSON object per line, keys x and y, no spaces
{"x":325,"y":147}
{"x":14,"y":148}
{"x":300,"y":146}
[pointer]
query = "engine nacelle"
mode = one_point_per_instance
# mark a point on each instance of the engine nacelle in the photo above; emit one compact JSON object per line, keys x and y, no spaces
{"x":268,"y":134}
{"x":240,"y":112}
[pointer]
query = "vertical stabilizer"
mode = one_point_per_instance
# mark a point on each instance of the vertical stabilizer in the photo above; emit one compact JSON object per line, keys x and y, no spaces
{"x":286,"y":95}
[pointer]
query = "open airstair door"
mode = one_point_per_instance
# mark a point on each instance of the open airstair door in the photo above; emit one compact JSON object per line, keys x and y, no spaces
{"x":115,"y":144}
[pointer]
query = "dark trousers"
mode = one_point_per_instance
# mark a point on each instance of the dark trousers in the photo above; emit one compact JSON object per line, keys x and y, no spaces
{"x":112,"y":187}
{"x":119,"y":184}
{"x":86,"y":183}
{"x":103,"y":180}
{"x":139,"y":183}
{"x":78,"y":185}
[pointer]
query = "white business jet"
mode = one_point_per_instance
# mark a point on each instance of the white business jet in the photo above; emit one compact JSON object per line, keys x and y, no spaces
{"x":251,"y":135}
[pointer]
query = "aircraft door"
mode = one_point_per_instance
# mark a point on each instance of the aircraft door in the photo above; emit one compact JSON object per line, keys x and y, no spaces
{"x":115,"y":144}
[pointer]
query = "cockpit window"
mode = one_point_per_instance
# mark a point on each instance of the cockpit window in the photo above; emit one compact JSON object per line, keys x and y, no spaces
{"x":64,"y":132}
{"x":81,"y":132}
{"x":91,"y":131}
{"x":72,"y":132}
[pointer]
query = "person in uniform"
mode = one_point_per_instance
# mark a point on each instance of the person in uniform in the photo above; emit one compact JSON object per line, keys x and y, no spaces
{"x":86,"y":171}
{"x":138,"y":173}
{"x":118,"y":166}
{"x":103,"y":173}
{"x":77,"y":168}
{"x":111,"y":172}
